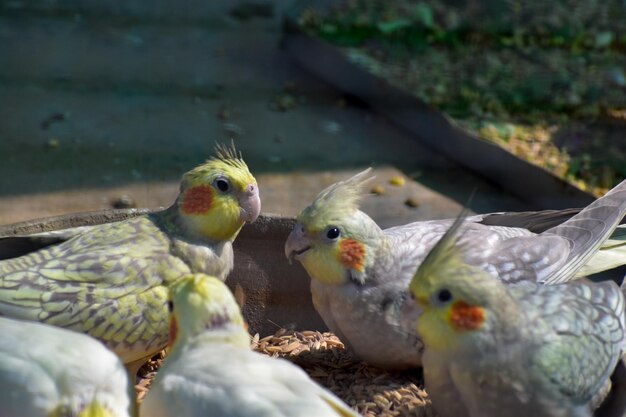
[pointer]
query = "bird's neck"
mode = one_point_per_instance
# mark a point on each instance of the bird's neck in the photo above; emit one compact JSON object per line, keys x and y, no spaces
{"x":231,"y":334}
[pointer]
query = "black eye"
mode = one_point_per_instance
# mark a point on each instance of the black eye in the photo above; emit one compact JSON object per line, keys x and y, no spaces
{"x":333,"y":233}
{"x":222,"y":185}
{"x":170,"y":306}
{"x":444,"y":295}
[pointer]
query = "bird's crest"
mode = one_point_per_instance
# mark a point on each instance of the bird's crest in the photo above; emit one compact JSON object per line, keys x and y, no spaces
{"x":226,"y":158}
{"x":444,"y":260}
{"x":229,"y":155}
{"x":337,"y":200}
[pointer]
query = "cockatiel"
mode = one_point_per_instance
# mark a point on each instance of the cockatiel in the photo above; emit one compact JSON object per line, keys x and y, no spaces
{"x":211,"y":369}
{"x":46,"y":371}
{"x":360,"y":273}
{"x":111,"y":281}
{"x":523,"y":349}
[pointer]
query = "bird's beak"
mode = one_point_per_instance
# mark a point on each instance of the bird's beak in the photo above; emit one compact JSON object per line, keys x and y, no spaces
{"x":250,"y":203}
{"x":297,"y":243}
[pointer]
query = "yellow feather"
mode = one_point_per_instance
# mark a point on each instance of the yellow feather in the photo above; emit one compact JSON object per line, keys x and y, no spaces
{"x":322,"y":264}
{"x":222,"y":221}
{"x":95,"y":410}
{"x":442,"y":262}
{"x":226,"y":161}
{"x":443,"y":267}
{"x":335,"y":201}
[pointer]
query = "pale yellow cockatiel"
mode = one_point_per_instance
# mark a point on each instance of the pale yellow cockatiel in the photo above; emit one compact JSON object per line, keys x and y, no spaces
{"x":111,"y":280}
{"x":211,"y":369}
{"x":47,"y":371}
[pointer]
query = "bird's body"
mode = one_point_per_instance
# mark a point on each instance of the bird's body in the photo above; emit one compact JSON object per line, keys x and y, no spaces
{"x":359,"y":278}
{"x":211,"y":369}
{"x":46,"y":371}
{"x":235,"y":382}
{"x":522,"y":349}
{"x":112,"y":280}
{"x":60,"y":285}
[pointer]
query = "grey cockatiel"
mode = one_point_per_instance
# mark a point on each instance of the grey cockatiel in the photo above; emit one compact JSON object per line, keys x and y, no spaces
{"x":360,"y":273}
{"x":523,"y":349}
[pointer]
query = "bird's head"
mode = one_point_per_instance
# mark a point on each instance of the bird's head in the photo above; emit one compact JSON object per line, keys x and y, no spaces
{"x":94,"y":407}
{"x":458,"y":300}
{"x":332,"y":238}
{"x":219,"y":196}
{"x":199,"y":304}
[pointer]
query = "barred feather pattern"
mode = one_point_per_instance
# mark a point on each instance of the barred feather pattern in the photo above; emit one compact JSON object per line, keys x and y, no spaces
{"x":111,"y":283}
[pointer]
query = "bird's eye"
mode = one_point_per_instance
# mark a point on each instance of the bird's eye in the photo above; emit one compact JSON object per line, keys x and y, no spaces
{"x":443,"y":296}
{"x":170,"y":306}
{"x":222,"y":184}
{"x":333,"y":233}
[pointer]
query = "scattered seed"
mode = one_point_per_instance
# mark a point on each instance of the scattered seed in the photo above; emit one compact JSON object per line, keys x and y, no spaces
{"x":378,"y":190}
{"x":397,"y":181}
{"x":54,"y":143}
{"x":370,"y":391}
{"x":124,"y":201}
{"x":412,"y":202}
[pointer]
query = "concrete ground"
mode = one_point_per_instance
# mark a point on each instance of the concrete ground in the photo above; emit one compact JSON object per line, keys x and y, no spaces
{"x":106,"y":104}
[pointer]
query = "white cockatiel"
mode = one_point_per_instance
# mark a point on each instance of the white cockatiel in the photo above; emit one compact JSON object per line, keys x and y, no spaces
{"x":211,"y":369}
{"x":47,"y":371}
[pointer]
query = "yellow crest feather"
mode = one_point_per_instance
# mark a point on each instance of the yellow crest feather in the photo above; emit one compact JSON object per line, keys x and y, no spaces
{"x":229,"y":155}
{"x":336,"y":201}
{"x":225,"y":157}
{"x":443,"y":262}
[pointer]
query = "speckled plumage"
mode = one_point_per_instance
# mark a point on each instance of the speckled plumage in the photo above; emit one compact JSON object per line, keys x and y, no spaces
{"x":50,"y":372}
{"x":364,"y":307}
{"x":112,"y":280}
{"x":537,"y":350}
{"x":211,"y":369}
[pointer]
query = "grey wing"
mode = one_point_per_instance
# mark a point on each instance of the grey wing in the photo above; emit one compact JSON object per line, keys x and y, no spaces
{"x":587,"y":231}
{"x":410,"y":243}
{"x":585,"y":337}
{"x":107,"y":283}
{"x":533,"y":221}
{"x":495,"y":249}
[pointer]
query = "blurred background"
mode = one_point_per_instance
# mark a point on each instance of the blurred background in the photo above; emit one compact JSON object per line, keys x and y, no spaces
{"x":106,"y":104}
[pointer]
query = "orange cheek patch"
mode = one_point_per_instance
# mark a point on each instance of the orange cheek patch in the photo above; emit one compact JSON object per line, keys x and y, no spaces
{"x":197,"y":200}
{"x":466,"y":317}
{"x":352,"y":254}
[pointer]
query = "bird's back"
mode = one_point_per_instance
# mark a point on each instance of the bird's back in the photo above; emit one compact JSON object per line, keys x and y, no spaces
{"x":45,"y":367}
{"x":236,"y":382}
{"x":107,"y":282}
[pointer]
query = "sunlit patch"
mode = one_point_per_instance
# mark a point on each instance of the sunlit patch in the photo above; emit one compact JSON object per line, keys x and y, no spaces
{"x":352,"y":254}
{"x":465,"y":317}
{"x":197,"y":200}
